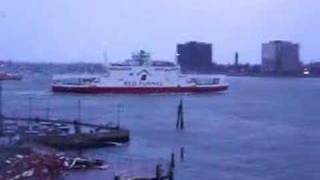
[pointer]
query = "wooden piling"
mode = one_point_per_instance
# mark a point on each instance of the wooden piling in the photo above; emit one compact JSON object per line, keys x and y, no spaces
{"x":77,"y":122}
{"x":171,"y":174}
{"x":182,"y":153}
{"x":180,"y":117}
{"x":172,"y":162}
{"x":159,"y":172}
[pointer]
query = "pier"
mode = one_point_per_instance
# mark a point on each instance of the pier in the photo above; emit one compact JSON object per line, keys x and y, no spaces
{"x":62,"y":134}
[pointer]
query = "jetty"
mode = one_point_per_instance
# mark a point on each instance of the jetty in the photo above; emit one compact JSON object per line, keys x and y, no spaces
{"x":62,"y":134}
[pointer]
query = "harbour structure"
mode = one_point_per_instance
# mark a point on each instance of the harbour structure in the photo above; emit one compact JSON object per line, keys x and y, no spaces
{"x":5,"y":77}
{"x":195,"y":57}
{"x":281,"y":57}
{"x":63,"y":134}
{"x":139,"y":75}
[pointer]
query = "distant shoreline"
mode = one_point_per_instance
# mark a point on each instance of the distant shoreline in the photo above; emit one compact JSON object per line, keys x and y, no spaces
{"x":272,"y":76}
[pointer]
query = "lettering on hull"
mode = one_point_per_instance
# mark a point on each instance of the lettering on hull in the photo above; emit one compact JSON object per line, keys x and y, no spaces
{"x":141,"y":83}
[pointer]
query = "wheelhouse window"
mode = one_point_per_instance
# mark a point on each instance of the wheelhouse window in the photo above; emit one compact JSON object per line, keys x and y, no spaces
{"x":143,"y":77}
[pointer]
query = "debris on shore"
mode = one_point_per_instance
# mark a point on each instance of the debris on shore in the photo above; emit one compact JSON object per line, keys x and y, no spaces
{"x":32,"y":166}
{"x":45,"y":166}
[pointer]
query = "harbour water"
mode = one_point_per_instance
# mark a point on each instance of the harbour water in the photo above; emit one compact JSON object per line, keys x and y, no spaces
{"x":262,"y":128}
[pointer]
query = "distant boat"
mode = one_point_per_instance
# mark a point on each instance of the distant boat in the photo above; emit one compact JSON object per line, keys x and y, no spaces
{"x":10,"y":76}
{"x":140,"y":75}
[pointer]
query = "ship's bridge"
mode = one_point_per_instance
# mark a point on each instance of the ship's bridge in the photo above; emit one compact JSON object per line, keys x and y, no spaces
{"x":140,"y":60}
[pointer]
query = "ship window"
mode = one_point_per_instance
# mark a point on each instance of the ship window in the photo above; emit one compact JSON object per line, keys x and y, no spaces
{"x":216,"y":81}
{"x":144,"y":77}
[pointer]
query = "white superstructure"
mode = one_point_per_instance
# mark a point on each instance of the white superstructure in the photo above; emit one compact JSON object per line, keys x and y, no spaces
{"x":139,"y":75}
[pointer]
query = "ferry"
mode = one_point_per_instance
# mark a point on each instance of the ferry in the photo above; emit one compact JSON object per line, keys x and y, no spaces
{"x":139,"y":75}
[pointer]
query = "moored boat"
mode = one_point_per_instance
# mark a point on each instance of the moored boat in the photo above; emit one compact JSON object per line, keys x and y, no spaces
{"x":10,"y":76}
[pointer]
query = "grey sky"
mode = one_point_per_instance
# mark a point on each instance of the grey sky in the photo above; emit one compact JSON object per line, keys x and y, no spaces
{"x":79,"y":30}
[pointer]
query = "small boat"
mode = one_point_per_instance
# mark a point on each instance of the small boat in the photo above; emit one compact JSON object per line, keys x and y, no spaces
{"x":84,"y":163}
{"x":10,"y":76}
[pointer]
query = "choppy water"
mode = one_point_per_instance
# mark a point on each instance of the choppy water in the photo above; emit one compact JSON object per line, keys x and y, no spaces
{"x":262,"y":128}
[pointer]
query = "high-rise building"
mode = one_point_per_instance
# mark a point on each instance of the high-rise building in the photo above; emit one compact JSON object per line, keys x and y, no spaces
{"x":195,"y":57}
{"x":236,"y":59}
{"x":280,"y":57}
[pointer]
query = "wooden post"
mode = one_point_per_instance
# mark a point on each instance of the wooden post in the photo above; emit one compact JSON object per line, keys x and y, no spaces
{"x":77,"y":122}
{"x":172,"y":162}
{"x":182,"y":153}
{"x":180,"y":118}
{"x":171,"y":173}
{"x":158,"y":172}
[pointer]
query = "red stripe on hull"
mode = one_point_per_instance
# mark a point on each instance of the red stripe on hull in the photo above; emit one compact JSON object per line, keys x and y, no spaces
{"x":138,"y":90}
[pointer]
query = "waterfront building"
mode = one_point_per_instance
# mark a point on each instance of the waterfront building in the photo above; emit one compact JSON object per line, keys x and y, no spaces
{"x":195,"y":57}
{"x":281,"y":57}
{"x":236,"y":59}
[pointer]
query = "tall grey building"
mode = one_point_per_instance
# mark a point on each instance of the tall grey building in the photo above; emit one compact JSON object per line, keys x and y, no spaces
{"x":281,"y":57}
{"x":195,"y":57}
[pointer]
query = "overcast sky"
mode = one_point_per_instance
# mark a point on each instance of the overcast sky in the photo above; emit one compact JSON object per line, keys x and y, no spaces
{"x":79,"y":30}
